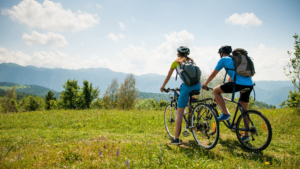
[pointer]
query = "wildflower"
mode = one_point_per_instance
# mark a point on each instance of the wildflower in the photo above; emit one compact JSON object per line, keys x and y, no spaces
{"x":11,"y":160}
{"x":65,"y":167}
{"x":19,"y":157}
{"x":118,"y":152}
{"x":267,"y":163}
{"x":100,"y":153}
{"x":127,"y":163}
{"x":197,"y":165}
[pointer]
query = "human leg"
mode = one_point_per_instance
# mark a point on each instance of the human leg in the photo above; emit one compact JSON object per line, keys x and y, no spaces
{"x":217,"y":93}
{"x":179,"y":114}
{"x":182,"y":103}
{"x":244,"y":100}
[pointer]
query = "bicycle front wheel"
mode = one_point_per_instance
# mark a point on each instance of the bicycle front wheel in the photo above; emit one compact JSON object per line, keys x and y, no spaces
{"x":205,"y":126}
{"x":260,"y":133}
{"x":170,"y":119}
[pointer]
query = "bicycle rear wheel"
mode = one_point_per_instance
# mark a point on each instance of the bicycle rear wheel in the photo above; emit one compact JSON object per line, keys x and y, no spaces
{"x":170,"y":119}
{"x":260,"y":131}
{"x":206,"y":126}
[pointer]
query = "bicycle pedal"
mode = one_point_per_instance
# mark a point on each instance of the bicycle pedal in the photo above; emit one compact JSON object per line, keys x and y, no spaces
{"x":185,"y":133}
{"x":235,"y":126}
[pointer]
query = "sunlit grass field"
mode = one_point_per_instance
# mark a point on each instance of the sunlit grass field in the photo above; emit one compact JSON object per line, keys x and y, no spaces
{"x":133,"y":139}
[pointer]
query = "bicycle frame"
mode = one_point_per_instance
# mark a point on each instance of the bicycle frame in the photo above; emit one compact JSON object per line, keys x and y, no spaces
{"x":175,"y":100}
{"x":238,"y":107}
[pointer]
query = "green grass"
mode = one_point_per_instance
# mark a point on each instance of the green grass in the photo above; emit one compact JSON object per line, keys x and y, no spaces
{"x":73,"y":138}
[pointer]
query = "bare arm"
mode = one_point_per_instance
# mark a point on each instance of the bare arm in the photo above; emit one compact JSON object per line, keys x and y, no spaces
{"x":211,"y":77}
{"x":167,"y":78}
{"x":230,"y":79}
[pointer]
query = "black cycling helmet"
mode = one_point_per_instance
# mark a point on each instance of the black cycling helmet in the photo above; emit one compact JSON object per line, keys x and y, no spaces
{"x":225,"y":49}
{"x":183,"y":50}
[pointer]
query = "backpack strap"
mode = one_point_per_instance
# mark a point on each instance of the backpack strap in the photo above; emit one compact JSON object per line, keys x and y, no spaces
{"x":233,"y":88}
{"x":176,"y":75}
{"x":254,"y":90}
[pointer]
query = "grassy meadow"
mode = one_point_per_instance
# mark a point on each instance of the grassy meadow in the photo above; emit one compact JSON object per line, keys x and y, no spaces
{"x":133,"y":139}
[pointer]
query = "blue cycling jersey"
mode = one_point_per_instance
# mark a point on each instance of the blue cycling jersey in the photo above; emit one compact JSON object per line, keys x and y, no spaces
{"x":227,"y":63}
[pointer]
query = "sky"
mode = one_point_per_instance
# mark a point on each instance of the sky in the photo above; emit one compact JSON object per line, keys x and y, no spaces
{"x":141,"y":36}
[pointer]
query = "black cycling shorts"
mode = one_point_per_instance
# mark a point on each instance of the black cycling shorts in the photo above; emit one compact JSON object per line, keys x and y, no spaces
{"x":244,"y":90}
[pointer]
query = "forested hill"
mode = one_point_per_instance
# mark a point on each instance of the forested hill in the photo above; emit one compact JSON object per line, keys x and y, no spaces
{"x":35,"y":90}
{"x":270,"y":92}
{"x":19,"y":94}
{"x":54,"y":78}
{"x":27,"y":89}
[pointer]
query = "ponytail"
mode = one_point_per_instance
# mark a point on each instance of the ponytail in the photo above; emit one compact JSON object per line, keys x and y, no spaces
{"x":183,"y":58}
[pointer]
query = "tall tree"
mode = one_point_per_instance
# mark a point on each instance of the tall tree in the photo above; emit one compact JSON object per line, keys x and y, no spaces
{"x":32,"y":104}
{"x":89,"y":93}
{"x":48,"y":98}
{"x":70,"y":96}
{"x":292,"y":70}
{"x":127,"y":93}
{"x":8,"y":102}
{"x":110,"y":95}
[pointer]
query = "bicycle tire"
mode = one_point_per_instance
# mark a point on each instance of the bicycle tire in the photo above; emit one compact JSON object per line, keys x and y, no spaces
{"x":206,"y":126}
{"x":170,"y":119}
{"x":261,"y":133}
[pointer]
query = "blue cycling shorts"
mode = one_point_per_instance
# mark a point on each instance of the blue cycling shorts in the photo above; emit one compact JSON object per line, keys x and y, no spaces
{"x":185,"y":94}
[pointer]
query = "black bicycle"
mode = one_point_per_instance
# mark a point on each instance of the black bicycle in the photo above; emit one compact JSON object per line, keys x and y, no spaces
{"x":200,"y":120}
{"x":252,"y":122}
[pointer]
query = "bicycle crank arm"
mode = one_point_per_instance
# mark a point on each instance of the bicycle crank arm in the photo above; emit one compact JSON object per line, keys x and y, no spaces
{"x":190,"y":127}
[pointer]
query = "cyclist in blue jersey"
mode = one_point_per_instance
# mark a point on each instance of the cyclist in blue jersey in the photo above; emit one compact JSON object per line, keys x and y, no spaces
{"x":185,"y":90}
{"x":243,"y":84}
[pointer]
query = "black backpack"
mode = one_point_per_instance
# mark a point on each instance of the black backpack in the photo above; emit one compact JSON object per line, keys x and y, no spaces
{"x":189,"y":72}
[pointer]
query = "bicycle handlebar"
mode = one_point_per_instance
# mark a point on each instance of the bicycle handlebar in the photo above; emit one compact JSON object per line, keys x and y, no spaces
{"x":168,"y":90}
{"x":207,"y":88}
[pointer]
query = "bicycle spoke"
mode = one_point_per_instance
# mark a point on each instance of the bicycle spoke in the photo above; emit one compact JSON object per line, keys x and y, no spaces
{"x":206,"y":131}
{"x":260,"y":131}
{"x":170,"y":119}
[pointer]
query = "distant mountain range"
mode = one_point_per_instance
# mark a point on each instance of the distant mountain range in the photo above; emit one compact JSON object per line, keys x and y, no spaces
{"x":270,"y":92}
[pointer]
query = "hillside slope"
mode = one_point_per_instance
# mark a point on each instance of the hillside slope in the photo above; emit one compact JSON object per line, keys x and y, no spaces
{"x":28,"y":89}
{"x":271,"y":92}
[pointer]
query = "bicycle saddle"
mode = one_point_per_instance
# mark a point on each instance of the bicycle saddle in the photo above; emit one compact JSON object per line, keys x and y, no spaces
{"x":194,"y":92}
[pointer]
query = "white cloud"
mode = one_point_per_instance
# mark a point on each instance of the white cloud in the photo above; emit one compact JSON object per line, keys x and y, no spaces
{"x":244,"y":19}
{"x":51,"y":60}
{"x":99,"y":6}
{"x":50,"y":16}
{"x":48,"y":39}
{"x":138,"y":60}
{"x":114,"y":37}
{"x":122,"y":26}
{"x":268,"y":61}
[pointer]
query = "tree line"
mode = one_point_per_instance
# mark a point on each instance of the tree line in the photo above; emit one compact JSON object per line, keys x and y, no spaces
{"x":120,"y":96}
